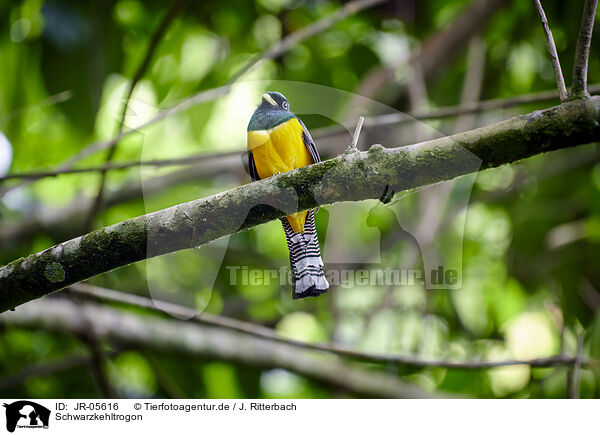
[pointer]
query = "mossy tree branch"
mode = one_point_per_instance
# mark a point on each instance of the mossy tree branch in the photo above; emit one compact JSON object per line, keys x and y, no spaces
{"x":352,"y":176}
{"x":64,"y":223}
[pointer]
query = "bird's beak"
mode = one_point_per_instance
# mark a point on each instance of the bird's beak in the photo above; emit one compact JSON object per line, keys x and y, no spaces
{"x":269,"y":99}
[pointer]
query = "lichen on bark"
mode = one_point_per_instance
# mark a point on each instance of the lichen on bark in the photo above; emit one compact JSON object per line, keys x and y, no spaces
{"x":54,"y":272}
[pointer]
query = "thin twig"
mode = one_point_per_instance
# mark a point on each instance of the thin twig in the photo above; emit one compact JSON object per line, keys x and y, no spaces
{"x":176,"y":7}
{"x":560,"y":81}
{"x":61,"y":97}
{"x":449,"y":111}
{"x":195,"y":100}
{"x":582,"y":50}
{"x":354,"y":144}
{"x":180,"y":161}
{"x":269,"y":334}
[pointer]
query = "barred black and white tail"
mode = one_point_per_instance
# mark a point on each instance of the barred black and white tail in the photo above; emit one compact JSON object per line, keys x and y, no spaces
{"x":308,"y":278}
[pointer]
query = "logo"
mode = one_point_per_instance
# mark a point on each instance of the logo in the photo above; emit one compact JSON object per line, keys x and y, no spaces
{"x":26,"y":414}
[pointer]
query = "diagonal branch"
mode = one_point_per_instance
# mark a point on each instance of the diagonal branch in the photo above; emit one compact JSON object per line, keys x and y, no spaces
{"x":349,"y":177}
{"x":582,"y":50}
{"x":560,"y":81}
{"x":181,"y":337}
{"x":107,"y":295}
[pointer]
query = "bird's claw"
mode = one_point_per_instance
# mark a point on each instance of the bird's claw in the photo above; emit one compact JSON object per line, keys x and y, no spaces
{"x":387,"y":195}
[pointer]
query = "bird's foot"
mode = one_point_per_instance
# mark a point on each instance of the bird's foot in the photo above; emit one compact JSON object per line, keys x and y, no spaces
{"x":387,"y":195}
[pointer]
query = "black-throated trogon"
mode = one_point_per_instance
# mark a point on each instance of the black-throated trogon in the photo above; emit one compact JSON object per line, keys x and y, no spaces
{"x":279,"y":142}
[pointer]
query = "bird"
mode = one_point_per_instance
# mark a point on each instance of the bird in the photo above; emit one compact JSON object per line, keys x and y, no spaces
{"x":278,"y":141}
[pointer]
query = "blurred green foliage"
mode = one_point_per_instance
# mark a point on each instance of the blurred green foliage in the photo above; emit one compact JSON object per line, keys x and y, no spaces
{"x":530,"y":240}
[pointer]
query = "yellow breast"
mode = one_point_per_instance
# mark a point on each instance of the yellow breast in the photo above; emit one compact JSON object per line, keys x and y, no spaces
{"x":280,"y":149}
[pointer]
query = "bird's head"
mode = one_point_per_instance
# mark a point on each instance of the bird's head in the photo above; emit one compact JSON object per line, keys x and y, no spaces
{"x":272,"y":111}
{"x":274,"y":101}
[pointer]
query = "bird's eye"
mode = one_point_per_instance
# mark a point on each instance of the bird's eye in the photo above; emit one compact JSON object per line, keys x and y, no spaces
{"x":285,"y":105}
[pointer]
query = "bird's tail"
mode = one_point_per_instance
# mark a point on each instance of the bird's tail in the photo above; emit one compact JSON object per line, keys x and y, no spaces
{"x":308,"y":278}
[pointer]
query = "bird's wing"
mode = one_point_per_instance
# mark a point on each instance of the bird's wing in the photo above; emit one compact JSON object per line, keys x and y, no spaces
{"x":252,"y":167}
{"x":312,"y":148}
{"x":309,"y":143}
